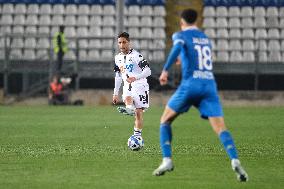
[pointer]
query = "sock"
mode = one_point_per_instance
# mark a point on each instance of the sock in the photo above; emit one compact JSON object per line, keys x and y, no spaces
{"x":137,"y":131}
{"x":166,"y":139}
{"x":228,"y":142}
{"x":131,"y":107}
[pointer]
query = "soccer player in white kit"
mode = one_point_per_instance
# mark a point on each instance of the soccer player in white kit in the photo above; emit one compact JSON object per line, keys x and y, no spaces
{"x":131,"y":68}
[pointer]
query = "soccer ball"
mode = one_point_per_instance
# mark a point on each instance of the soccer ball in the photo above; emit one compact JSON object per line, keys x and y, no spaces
{"x":135,"y":142}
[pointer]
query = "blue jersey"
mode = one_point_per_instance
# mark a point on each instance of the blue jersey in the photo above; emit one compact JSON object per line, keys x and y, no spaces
{"x":195,"y":54}
{"x":198,"y":87}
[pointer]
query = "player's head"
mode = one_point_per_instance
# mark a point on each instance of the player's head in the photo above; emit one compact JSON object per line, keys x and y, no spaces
{"x":188,"y":18}
{"x":123,"y":42}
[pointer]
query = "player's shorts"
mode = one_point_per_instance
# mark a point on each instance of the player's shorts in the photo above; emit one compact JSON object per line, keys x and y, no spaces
{"x":202,"y":95}
{"x":139,"y":93}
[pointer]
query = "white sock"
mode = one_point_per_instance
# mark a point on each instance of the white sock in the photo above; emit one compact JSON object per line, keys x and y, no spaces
{"x":167,"y":159}
{"x":137,"y":131}
{"x":131,"y":107}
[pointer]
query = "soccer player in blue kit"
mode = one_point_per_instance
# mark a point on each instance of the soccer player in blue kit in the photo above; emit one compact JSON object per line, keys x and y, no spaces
{"x":197,"y":88}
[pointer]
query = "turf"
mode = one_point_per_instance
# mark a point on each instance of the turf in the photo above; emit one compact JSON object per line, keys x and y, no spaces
{"x":85,"y":147}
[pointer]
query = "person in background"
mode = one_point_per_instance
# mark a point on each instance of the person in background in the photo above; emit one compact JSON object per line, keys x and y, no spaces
{"x":58,"y":93}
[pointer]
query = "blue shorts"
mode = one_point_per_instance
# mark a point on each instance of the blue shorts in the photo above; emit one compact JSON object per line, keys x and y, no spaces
{"x":201,"y":94}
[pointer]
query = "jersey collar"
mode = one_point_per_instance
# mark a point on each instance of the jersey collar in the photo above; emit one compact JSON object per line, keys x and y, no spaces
{"x":190,"y":28}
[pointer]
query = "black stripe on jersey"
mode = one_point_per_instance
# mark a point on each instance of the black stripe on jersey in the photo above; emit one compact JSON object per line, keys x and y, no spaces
{"x":143,"y":64}
{"x":116,"y":68}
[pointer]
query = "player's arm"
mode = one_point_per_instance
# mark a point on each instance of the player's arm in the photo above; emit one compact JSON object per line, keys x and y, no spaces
{"x":174,"y":53}
{"x":117,"y":84}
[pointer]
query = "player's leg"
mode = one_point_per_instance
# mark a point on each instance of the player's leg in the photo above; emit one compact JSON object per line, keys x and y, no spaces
{"x":165,"y":141}
{"x":129,"y":108}
{"x":138,"y":121}
{"x":226,"y":139}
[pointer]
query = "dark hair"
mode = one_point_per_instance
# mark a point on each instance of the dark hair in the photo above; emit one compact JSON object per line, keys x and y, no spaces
{"x":125,"y":35}
{"x":189,"y":16}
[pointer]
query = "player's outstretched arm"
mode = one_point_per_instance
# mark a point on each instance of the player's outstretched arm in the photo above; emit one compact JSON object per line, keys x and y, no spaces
{"x":172,"y":56}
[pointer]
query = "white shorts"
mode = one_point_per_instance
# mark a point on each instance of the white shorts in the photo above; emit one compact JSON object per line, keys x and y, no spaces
{"x":139,"y":93}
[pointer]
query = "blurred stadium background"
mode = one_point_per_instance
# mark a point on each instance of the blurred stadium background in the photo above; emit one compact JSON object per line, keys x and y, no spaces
{"x":247,"y":37}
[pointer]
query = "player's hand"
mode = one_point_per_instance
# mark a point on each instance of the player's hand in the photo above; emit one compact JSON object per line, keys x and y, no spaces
{"x":164,"y":78}
{"x":131,"y":79}
{"x":114,"y":99}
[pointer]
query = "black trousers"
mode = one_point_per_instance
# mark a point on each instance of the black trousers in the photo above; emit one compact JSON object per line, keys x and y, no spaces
{"x":60,"y":56}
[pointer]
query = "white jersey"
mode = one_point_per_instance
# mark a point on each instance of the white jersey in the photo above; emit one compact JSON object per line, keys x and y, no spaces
{"x":131,"y":65}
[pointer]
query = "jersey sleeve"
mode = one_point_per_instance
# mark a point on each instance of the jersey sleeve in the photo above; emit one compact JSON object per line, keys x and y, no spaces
{"x":142,"y":62}
{"x":115,"y":67}
{"x":177,"y":38}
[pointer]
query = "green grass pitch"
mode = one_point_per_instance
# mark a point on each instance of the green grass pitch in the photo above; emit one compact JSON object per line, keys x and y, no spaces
{"x":85,"y":147}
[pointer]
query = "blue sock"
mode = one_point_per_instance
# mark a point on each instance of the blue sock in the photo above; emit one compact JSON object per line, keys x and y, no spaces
{"x":166,"y":139}
{"x":228,"y":142}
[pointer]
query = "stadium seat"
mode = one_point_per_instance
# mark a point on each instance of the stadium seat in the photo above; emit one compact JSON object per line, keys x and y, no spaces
{"x":70,"y":20}
{"x":248,"y":57}
{"x":272,"y":12}
{"x":235,"y":33}
{"x":107,"y":44}
{"x":19,"y":20}
{"x":159,"y":11}
{"x":7,"y":8}
{"x":96,"y":10}
{"x":144,"y":44}
{"x":221,"y":23}
{"x":20,"y":8}
{"x":234,"y":22}
{"x":146,"y":21}
{"x":82,"y":32}
{"x":159,"y":44}
{"x":209,"y":11}
{"x":15,"y":54}
{"x":282,"y":34}
{"x":108,"y":32}
{"x":281,"y":12}
{"x":133,"y":21}
{"x":95,"y":31}
{"x":30,"y":42}
{"x":2,"y":54}
{"x":135,"y":44}
{"x":29,"y":54}
{"x":234,"y":11}
{"x":93,"y":55}
{"x":281,"y":24}
{"x":272,"y":22}
{"x":83,"y":10}
{"x":158,"y":33}
{"x":70,"y":55}
{"x":247,"y":22}
{"x":107,"y":55}
{"x":259,"y":12}
{"x":213,"y":44}
{"x":45,"y":9}
{"x":222,"y":56}
{"x":261,"y":33}
{"x":57,"y":20}
{"x":72,"y":44}
{"x":274,"y":45}
{"x":33,"y":9}
{"x":58,"y":9}
{"x":273,"y":33}
{"x":6,"y":19}
{"x":133,"y":10}
{"x":83,"y":55}
{"x":262,"y":56}
{"x":221,"y":11}
{"x":108,"y":10}
{"x":235,"y":45}
{"x":246,"y":11}
{"x":95,"y":21}
{"x":44,"y":20}
{"x":95,"y":43}
{"x":44,"y":30}
{"x":222,"y":44}
{"x":134,"y":32}
{"x":147,"y":33}
{"x":248,"y":34}
{"x":222,"y":33}
{"x":159,"y":22}
{"x":282,"y":45}
{"x":18,"y":30}
{"x":42,"y":54}
{"x":248,"y":45}
{"x":43,"y":43}
{"x":83,"y":20}
{"x":69,"y":31}
{"x":208,"y":22}
{"x":210,"y":32}
{"x":274,"y":56}
{"x":32,"y":20}
{"x":108,"y":21}
{"x":146,"y":10}
{"x":261,"y":45}
{"x":5,"y":29}
{"x":260,"y":22}
{"x":158,"y":56}
{"x":71,"y":9}
{"x":17,"y":42}
{"x":236,"y":56}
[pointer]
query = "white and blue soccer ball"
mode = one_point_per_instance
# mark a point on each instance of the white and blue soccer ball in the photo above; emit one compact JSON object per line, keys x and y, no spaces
{"x":135,"y":142}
